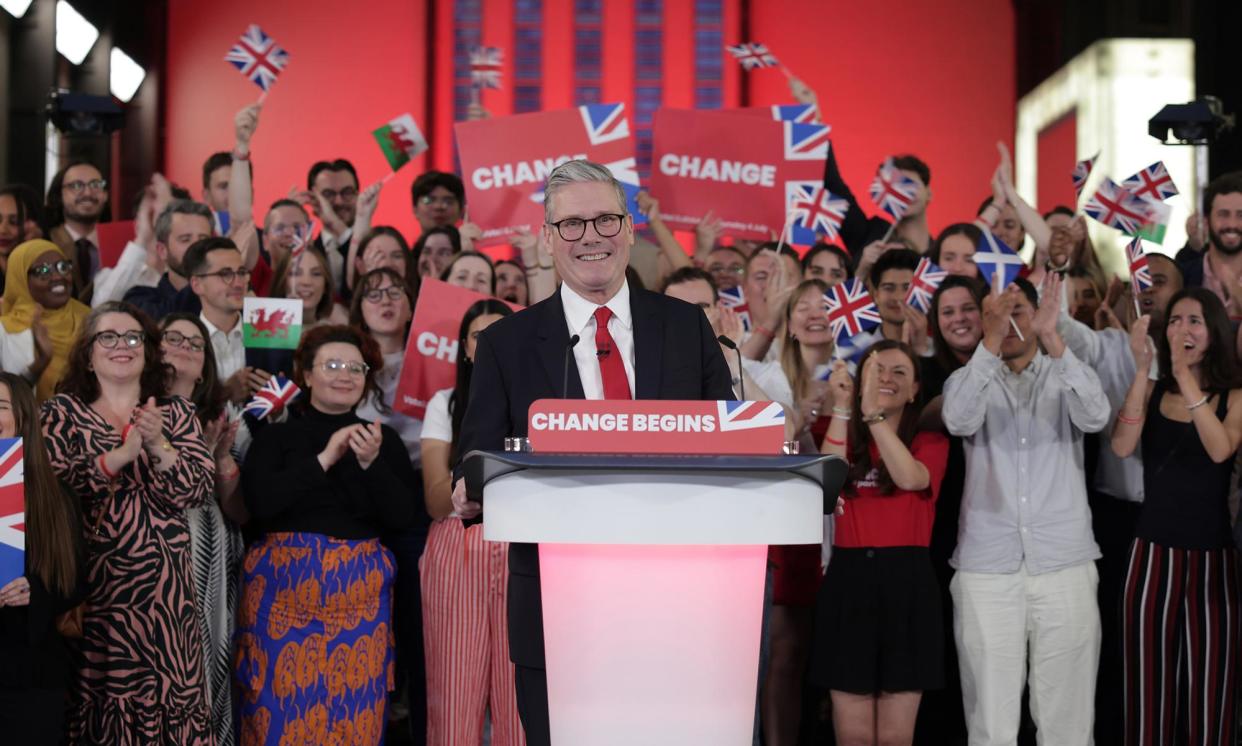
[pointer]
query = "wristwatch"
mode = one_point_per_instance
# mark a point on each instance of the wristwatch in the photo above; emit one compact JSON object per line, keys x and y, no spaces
{"x":873,"y":419}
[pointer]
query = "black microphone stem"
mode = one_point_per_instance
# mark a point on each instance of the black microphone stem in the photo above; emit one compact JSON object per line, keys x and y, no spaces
{"x":741,"y":375}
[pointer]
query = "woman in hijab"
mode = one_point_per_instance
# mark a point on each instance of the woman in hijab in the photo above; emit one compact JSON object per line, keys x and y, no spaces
{"x":38,"y":287}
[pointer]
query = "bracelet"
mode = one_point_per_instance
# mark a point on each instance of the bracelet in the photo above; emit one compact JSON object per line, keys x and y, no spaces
{"x":844,"y":417}
{"x":760,"y":329}
{"x":531,"y":267}
{"x":833,"y":441}
{"x":876,"y":418}
{"x":1196,"y":405}
{"x":1129,"y":420}
{"x":842,"y":410}
{"x":103,"y":467}
{"x":125,"y":432}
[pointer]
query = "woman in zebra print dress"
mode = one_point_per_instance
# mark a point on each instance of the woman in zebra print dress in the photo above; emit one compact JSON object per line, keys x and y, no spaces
{"x":215,"y":541}
{"x":138,"y":460}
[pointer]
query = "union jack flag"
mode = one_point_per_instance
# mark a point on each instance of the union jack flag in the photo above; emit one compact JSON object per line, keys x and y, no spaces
{"x":806,"y":142}
{"x":753,"y":56}
{"x":1152,"y":183}
{"x":272,"y":398}
{"x":735,"y":299}
{"x":1082,"y":172}
{"x":927,"y":278}
{"x":605,"y":122}
{"x":852,"y":351}
{"x":996,"y":257}
{"x":814,"y":210}
{"x":301,"y":239}
{"x":800,"y":113}
{"x":892,"y":191}
{"x":850,"y":309}
{"x":12,"y":510}
{"x":748,"y":415}
{"x":1140,"y":268}
{"x":258,"y":57}
{"x":1117,"y":207}
{"x":485,"y":66}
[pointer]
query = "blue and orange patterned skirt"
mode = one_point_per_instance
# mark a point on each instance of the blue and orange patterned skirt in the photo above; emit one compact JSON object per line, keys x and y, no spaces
{"x":314,"y":640}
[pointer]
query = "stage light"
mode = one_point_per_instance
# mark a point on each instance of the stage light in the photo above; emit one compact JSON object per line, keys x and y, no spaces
{"x":126,"y":75}
{"x":74,"y":34}
{"x":1196,"y":123}
{"x":16,"y":8}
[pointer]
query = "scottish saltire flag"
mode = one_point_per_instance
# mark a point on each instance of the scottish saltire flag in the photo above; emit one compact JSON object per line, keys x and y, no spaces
{"x":735,"y":300}
{"x":813,"y":212}
{"x":258,"y":57}
{"x":850,"y":309}
{"x":1116,"y":207}
{"x":1152,"y":183}
{"x":400,"y":140}
{"x":994,"y":257}
{"x":927,"y":278}
{"x":852,"y":350}
{"x":806,"y":142}
{"x":892,"y":191}
{"x":486,"y":66}
{"x":800,"y":113}
{"x":272,"y":398}
{"x":1082,"y":172}
{"x":1140,"y":268}
{"x":747,"y":415}
{"x":12,"y":511}
{"x":753,"y":56}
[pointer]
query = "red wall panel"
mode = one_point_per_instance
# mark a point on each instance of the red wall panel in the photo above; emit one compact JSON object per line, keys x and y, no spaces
{"x":1055,"y":159}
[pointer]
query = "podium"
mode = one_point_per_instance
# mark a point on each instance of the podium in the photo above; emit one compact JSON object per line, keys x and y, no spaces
{"x":652,"y":570}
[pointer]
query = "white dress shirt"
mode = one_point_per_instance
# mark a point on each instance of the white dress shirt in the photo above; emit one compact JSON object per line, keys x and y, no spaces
{"x":17,"y":352}
{"x":228,"y":346}
{"x":131,"y":270}
{"x":580,"y":318}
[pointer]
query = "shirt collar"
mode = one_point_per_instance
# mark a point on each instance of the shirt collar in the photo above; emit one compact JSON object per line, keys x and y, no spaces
{"x":579,"y":311}
{"x":212,"y":330}
{"x":93,"y":236}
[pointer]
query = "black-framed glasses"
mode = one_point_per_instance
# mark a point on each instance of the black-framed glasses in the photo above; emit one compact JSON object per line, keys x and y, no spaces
{"x":376,"y":295}
{"x":62,"y":267}
{"x":177,"y":339}
{"x":109,"y":340}
{"x":77,"y":187}
{"x":606,"y":225}
{"x":349,"y":194}
{"x":351,"y":367}
{"x":227,"y":276}
{"x":427,"y":200}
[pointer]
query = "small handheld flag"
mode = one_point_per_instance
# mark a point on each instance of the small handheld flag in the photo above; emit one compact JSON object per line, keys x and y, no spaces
{"x":892,"y":191}
{"x":927,"y":278}
{"x":257,"y":56}
{"x":1140,"y":268}
{"x":1152,"y":183}
{"x":995,"y":257}
{"x":271,"y":323}
{"x":852,"y":350}
{"x":735,"y":299}
{"x":850,"y":309}
{"x":1117,"y":207}
{"x":485,"y":66}
{"x":400,"y":140}
{"x":272,"y":398}
{"x":815,"y":211}
{"x":12,"y":510}
{"x":753,"y":56}
{"x":1082,"y":172}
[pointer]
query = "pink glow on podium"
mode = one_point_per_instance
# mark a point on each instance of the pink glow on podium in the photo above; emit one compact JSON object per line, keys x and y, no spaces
{"x":673,"y":631}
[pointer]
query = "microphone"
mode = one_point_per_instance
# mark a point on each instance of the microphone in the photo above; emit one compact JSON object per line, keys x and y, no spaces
{"x":565,"y":378}
{"x":741,"y":377}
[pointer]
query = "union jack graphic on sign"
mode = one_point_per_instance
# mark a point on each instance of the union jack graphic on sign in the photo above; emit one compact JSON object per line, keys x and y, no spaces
{"x":747,"y":415}
{"x":12,"y":510}
{"x":605,"y":122}
{"x":257,"y":56}
{"x":806,"y":142}
{"x":800,"y":113}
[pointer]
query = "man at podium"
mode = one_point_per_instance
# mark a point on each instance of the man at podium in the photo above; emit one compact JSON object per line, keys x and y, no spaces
{"x":595,"y":338}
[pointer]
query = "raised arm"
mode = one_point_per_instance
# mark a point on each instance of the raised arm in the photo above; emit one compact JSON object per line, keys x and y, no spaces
{"x":368,"y":200}
{"x":669,"y":248}
{"x":1030,"y":218}
{"x":1128,"y":428}
{"x":1220,"y":439}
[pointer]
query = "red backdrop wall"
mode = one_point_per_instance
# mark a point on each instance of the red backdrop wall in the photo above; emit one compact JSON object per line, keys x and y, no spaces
{"x":1057,"y":154}
{"x":933,"y":79}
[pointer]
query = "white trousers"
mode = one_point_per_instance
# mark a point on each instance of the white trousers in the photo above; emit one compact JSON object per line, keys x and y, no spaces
{"x":995,"y":618}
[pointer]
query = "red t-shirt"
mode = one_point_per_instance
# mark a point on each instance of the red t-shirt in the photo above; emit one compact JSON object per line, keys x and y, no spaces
{"x":899,"y":519}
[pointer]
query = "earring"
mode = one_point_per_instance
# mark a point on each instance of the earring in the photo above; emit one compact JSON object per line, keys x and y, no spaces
{"x":200,"y":380}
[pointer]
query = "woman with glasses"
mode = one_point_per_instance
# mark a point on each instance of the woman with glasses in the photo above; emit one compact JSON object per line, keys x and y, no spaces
{"x":314,"y":631}
{"x":38,"y":295}
{"x":215,"y":541}
{"x":138,"y":459}
{"x":434,"y":251}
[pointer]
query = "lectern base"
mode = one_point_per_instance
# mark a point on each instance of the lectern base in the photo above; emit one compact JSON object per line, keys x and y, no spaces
{"x":652,"y":644}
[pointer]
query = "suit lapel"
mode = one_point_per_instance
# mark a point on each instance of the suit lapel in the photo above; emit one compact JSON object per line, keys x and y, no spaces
{"x":648,"y":344}
{"x":553,"y":346}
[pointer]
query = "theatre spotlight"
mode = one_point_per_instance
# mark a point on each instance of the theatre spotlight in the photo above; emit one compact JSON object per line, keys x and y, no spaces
{"x":78,"y":114}
{"x":74,"y":34}
{"x":125,"y":75}
{"x":16,"y":8}
{"x":1196,"y":123}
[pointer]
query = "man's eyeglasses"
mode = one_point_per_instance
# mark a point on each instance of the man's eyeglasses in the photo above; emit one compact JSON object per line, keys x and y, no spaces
{"x":227,"y":276}
{"x":349,"y":194}
{"x":77,"y":187}
{"x":606,"y":225}
{"x":177,"y":339}
{"x":428,"y":200}
{"x":108,"y":340}
{"x":352,"y":367}
{"x":393,"y":292}
{"x":720,"y":269}
{"x":64,"y":268}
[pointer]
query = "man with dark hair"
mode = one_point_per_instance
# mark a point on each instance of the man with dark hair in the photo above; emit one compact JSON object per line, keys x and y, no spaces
{"x":860,"y":233}
{"x":439,"y":199}
{"x":182,"y":225}
{"x":889,"y":281}
{"x":332,"y":192}
{"x":77,"y":200}
{"x":217,"y":170}
{"x":1219,"y":269}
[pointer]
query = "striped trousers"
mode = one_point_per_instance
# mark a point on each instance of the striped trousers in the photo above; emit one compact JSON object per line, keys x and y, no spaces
{"x":465,"y":580}
{"x":1180,"y":636}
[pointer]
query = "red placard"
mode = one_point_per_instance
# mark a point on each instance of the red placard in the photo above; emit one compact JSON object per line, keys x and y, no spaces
{"x":655,"y":426}
{"x":112,"y":239}
{"x":506,"y":160}
{"x":742,"y":167}
{"x":430,"y":362}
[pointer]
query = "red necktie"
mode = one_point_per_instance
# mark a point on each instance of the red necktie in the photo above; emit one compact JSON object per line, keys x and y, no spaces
{"x":611,"y":369}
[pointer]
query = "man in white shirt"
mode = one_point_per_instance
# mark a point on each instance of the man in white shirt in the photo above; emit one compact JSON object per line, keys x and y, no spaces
{"x":176,"y":228}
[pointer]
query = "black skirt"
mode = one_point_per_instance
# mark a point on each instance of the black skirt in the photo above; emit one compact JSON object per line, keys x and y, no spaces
{"x":878,"y":622}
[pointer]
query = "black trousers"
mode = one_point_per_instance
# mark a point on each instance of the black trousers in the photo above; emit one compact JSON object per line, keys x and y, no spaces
{"x":32,"y":717}
{"x":1113,"y":522}
{"x":532,"y":702}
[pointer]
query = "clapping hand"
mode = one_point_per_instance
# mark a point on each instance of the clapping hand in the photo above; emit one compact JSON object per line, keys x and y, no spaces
{"x":148,"y":422}
{"x":365,"y":442}
{"x":1140,"y":345}
{"x":841,"y":386}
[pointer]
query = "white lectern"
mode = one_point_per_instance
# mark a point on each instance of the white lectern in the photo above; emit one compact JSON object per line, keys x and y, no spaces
{"x":652,"y":577}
